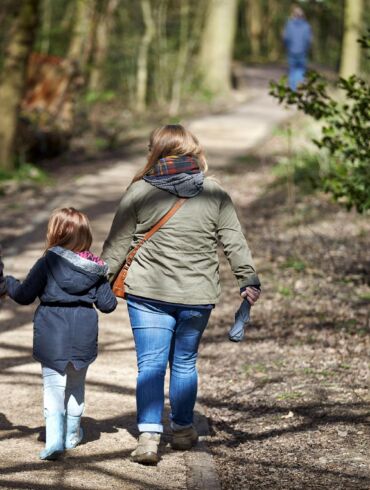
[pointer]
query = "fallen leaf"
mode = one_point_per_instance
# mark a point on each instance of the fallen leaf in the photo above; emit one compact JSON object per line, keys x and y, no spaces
{"x":342,"y":433}
{"x":288,"y":415}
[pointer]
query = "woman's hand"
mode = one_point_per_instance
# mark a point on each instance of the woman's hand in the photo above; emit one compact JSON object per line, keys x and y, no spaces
{"x":251,"y":294}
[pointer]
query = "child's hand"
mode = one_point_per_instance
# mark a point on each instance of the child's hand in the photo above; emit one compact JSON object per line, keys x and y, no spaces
{"x":251,"y":294}
{"x":2,"y":278}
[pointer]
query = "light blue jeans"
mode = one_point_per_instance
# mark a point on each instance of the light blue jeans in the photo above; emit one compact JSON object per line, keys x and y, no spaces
{"x":64,"y":393}
{"x":163,"y":334}
{"x":297,"y":69}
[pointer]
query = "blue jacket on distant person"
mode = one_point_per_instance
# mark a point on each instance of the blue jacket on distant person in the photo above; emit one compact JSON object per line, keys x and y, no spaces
{"x":297,"y":36}
{"x":65,"y":322}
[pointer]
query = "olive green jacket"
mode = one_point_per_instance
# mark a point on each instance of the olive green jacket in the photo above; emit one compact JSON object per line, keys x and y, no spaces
{"x":179,"y":264}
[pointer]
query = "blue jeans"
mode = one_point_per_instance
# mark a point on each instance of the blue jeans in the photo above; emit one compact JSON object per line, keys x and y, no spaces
{"x":64,"y":393}
{"x":163,"y":334}
{"x":297,"y":69}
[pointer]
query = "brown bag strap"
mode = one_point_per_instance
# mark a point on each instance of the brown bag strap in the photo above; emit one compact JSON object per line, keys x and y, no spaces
{"x":155,"y":228}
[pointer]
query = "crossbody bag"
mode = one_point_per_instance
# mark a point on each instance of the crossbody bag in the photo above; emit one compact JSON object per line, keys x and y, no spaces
{"x":119,"y":283}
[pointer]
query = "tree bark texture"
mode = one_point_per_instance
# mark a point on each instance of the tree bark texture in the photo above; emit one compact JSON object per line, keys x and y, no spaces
{"x":79,"y":42}
{"x":254,"y":23}
{"x":217,"y":46}
{"x":273,"y":34}
{"x":101,"y":44}
{"x":162,"y":66}
{"x":181,"y":59}
{"x":21,"y":39}
{"x":142,"y":61}
{"x":351,"y":51}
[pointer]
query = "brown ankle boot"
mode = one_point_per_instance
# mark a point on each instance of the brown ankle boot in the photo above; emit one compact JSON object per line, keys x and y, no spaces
{"x":184,"y":439}
{"x":146,"y":451}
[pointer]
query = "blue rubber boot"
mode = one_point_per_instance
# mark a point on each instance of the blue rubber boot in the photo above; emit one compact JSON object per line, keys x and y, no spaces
{"x":74,"y":432}
{"x":54,"y":436}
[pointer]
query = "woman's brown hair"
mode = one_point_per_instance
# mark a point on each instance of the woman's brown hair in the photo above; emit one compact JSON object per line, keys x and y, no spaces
{"x":70,"y":229}
{"x":172,"y":140}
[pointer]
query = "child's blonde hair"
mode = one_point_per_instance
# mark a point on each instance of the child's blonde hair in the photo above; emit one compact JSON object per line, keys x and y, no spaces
{"x":172,"y":140}
{"x":70,"y":229}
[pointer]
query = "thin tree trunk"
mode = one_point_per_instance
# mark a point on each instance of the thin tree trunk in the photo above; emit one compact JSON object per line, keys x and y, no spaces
{"x":273,"y":37}
{"x":182,"y":58}
{"x":351,"y":51}
{"x":194,"y":36}
{"x":12,"y":86}
{"x":102,"y":28}
{"x":67,"y":21}
{"x":217,"y":46}
{"x":46,"y":26}
{"x":161,"y":85}
{"x":254,"y":21}
{"x":142,"y":62}
{"x":78,"y":46}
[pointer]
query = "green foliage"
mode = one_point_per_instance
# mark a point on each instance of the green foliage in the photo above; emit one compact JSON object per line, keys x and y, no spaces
{"x":364,"y":296}
{"x":345,"y":131}
{"x":295,"y":264}
{"x":306,"y":170}
{"x":93,"y":97}
{"x":25,"y":172}
{"x":101,"y":144}
{"x":290,"y":395}
{"x":255,"y":368}
{"x":365,"y":42}
{"x":285,"y":291}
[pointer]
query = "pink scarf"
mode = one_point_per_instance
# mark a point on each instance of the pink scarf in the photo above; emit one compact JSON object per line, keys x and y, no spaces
{"x":86,"y":254}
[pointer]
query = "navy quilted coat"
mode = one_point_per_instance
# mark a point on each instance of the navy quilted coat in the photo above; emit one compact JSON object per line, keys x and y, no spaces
{"x":65,"y":322}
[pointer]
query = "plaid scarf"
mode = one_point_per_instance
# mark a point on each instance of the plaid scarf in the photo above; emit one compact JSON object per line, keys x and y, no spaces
{"x":175,"y":165}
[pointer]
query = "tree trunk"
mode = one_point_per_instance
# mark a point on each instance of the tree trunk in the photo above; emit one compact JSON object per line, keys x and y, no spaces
{"x":45,"y":26}
{"x":101,"y":44}
{"x":161,"y":85}
{"x":351,"y":51}
{"x":273,"y":34}
{"x":142,"y":62}
{"x":79,"y":47}
{"x":217,"y":46}
{"x":21,"y":39}
{"x":181,"y":58}
{"x":254,"y":23}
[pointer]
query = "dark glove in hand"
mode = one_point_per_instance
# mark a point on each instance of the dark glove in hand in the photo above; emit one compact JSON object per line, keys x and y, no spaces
{"x":242,"y":317}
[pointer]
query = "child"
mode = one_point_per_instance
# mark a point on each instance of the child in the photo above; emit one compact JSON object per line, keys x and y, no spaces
{"x":69,"y":280}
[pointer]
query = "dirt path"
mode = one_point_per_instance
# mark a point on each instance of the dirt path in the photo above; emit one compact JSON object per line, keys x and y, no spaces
{"x":289,"y":408}
{"x":278,"y":403}
{"x":102,"y":461}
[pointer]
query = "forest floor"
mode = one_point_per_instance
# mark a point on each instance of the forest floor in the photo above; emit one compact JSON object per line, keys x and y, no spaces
{"x":288,"y":408}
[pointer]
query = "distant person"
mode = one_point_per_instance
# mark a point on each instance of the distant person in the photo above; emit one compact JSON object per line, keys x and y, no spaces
{"x":70,"y":281}
{"x":297,"y":39}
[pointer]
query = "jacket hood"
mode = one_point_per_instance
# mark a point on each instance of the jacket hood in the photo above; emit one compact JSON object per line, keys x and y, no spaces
{"x":182,"y":184}
{"x":73,"y":273}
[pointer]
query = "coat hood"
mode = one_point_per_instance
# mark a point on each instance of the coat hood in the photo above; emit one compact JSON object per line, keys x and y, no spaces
{"x":182,"y":184}
{"x":73,"y":274}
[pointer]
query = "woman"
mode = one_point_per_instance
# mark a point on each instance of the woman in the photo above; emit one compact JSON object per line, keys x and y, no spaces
{"x":173,"y":282}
